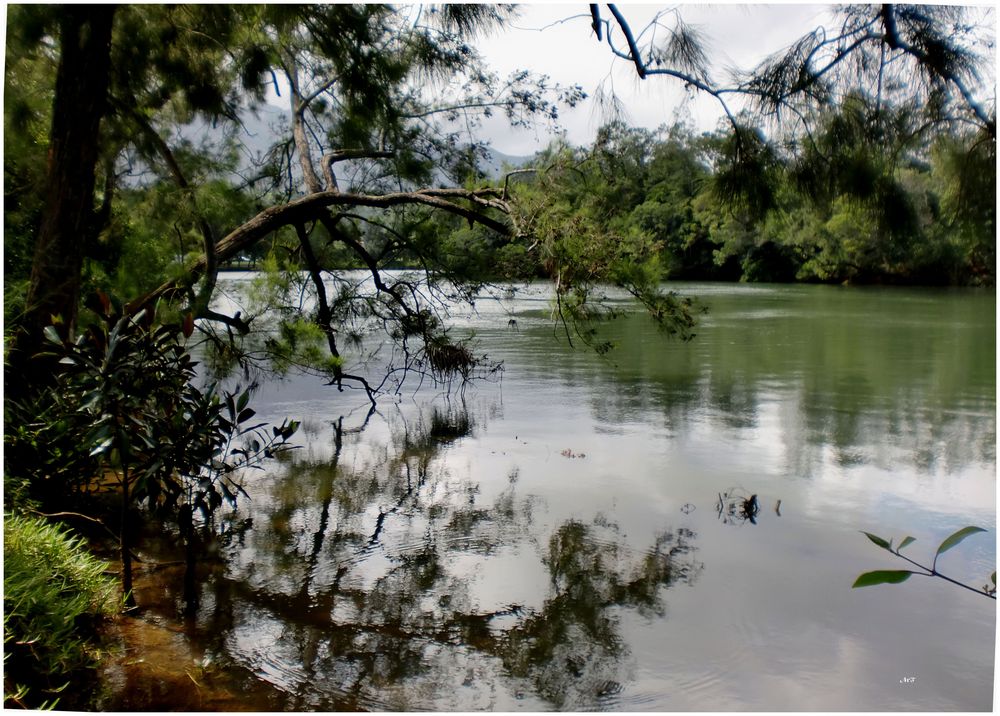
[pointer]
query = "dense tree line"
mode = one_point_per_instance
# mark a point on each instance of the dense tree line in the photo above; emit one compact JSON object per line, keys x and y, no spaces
{"x":925,"y":216}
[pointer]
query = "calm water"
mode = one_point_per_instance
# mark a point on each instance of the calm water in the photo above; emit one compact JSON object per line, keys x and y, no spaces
{"x":552,"y":540}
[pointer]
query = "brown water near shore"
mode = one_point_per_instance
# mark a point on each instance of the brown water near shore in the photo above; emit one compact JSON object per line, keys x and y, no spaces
{"x":156,"y":662}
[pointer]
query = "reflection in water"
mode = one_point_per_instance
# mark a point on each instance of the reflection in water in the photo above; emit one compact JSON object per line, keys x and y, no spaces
{"x":355,"y":585}
{"x":452,"y":557}
{"x":877,"y":376}
{"x":571,"y":650}
{"x":736,"y":507}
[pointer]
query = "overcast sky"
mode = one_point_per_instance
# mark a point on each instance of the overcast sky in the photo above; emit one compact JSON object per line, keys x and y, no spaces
{"x":556,"y":39}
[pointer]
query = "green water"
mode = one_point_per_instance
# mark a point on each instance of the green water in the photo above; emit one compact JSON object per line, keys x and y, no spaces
{"x":553,"y":539}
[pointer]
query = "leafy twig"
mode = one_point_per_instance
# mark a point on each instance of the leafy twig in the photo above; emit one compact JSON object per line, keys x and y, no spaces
{"x":897,"y":576}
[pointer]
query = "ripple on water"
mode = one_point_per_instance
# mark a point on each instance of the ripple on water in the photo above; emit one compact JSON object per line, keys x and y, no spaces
{"x":302,"y":666}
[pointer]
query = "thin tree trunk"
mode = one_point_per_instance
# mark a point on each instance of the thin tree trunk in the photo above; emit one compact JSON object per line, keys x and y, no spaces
{"x":298,"y":109}
{"x":323,"y":313}
{"x":125,"y":541}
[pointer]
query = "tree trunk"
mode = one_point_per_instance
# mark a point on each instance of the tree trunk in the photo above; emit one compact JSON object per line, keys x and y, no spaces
{"x":79,"y":104}
{"x":125,"y":551}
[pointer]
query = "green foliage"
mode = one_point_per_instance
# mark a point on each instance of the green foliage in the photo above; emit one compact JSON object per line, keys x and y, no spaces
{"x":134,"y":381}
{"x":955,"y":539}
{"x":54,"y":595}
{"x":867,"y":199}
{"x":869,"y":579}
{"x":300,"y":343}
{"x":749,"y":172}
{"x":126,"y":397}
{"x":578,"y":215}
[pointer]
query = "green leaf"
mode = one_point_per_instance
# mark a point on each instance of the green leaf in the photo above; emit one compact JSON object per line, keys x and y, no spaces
{"x":52,"y":335}
{"x":956,"y":538}
{"x":886,"y":576}
{"x":906,"y":541}
{"x":242,"y":402}
{"x":877,"y":540}
{"x":102,"y":446}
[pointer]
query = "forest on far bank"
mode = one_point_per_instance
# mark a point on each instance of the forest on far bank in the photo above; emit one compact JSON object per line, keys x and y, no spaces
{"x":846,"y":209}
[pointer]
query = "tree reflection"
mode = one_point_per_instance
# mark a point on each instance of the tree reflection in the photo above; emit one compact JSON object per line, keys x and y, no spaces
{"x":883,"y":378}
{"x":356,"y":586}
{"x":571,"y":650}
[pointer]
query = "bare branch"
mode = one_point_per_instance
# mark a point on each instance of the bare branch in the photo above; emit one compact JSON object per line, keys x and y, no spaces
{"x":341,"y":155}
{"x":640,"y":66}
{"x":595,"y":13}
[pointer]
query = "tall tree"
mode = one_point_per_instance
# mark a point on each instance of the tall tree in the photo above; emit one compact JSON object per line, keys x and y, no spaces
{"x":364,"y":137}
{"x":79,"y":104}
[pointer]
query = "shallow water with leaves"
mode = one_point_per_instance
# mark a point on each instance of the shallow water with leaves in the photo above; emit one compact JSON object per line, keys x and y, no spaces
{"x":572,"y":535}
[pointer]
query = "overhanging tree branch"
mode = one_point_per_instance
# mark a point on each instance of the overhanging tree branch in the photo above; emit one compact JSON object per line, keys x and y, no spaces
{"x":896,"y":42}
{"x":634,"y":55}
{"x":310,"y":208}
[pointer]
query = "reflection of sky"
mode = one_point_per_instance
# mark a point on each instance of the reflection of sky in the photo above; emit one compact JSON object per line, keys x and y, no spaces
{"x":771,"y":621}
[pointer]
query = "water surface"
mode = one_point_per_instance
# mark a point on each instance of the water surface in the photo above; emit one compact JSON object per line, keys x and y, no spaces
{"x":552,"y":539}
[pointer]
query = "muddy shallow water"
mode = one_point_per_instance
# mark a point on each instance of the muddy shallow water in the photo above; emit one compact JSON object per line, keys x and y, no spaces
{"x":555,"y":539}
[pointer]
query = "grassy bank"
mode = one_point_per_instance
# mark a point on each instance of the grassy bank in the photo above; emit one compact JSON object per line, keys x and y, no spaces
{"x":55,"y":595}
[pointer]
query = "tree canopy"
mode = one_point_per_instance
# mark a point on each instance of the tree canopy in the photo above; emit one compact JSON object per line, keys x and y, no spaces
{"x":378,"y":102}
{"x":864,"y":151}
{"x":848,"y":108}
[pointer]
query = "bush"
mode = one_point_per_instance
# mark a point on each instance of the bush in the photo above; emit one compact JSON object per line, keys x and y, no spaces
{"x":55,"y":593}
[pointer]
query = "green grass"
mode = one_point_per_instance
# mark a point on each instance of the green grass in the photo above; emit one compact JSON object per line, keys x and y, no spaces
{"x":55,"y":593}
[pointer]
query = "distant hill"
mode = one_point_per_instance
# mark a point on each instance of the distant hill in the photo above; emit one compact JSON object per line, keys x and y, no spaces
{"x":493,"y":166}
{"x":259,"y":127}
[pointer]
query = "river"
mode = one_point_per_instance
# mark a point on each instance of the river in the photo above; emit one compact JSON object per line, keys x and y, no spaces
{"x":571,"y":534}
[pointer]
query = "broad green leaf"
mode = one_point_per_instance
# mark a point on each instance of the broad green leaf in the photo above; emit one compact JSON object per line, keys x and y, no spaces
{"x":957,"y":537}
{"x":906,"y":541}
{"x":877,"y":540}
{"x":887,"y":576}
{"x":242,"y":402}
{"x":102,"y":446}
{"x":52,"y":335}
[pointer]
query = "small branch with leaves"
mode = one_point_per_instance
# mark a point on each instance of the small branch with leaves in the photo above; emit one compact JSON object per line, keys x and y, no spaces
{"x":897,"y":576}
